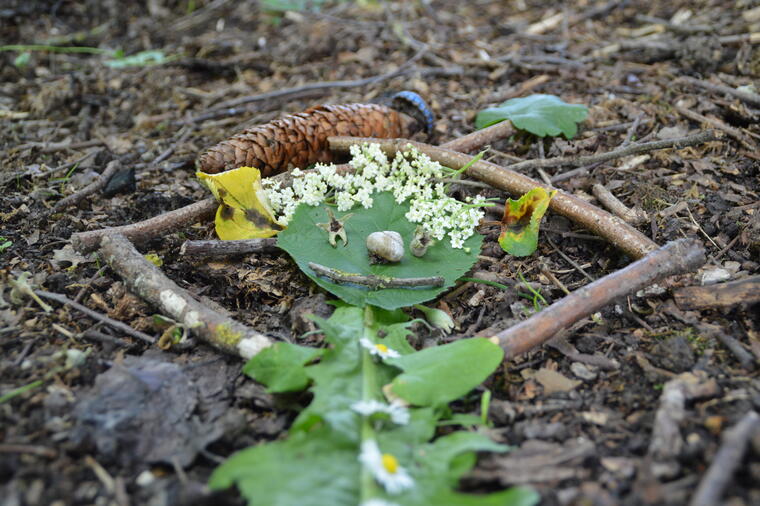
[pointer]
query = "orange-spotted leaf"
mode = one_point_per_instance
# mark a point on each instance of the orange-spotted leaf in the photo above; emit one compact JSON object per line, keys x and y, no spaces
{"x":244,"y":211}
{"x":519,"y":227}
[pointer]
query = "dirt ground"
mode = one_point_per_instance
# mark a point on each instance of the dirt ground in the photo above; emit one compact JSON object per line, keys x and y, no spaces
{"x":587,"y":415}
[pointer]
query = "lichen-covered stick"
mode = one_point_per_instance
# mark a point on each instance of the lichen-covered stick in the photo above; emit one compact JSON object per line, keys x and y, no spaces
{"x":147,"y":281}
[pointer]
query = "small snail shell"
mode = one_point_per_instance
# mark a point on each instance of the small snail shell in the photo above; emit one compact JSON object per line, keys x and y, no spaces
{"x":387,"y":246}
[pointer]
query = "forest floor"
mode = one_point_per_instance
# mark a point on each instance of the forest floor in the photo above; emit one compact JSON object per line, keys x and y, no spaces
{"x":585,"y":430}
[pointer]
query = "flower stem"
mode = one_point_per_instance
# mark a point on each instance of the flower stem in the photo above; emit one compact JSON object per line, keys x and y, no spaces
{"x":369,"y":387}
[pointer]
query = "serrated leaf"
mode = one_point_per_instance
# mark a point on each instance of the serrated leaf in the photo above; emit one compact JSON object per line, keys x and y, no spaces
{"x":385,"y":214}
{"x":539,"y":114}
{"x":281,"y":367}
{"x":522,"y":218}
{"x":242,"y":213}
{"x":436,"y":376}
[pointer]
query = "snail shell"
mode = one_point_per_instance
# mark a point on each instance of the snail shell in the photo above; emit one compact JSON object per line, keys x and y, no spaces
{"x":387,"y":246}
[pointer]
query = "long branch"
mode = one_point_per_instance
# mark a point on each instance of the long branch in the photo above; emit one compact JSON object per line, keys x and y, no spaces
{"x":142,"y":231}
{"x":676,"y":257}
{"x":612,"y":228}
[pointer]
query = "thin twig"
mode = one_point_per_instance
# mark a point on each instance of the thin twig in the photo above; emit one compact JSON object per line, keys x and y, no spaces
{"x":99,"y":182}
{"x":320,"y":85}
{"x":716,"y":123}
{"x":726,"y":461}
{"x":146,"y":280}
{"x":600,"y":222}
{"x":752,"y":98}
{"x":475,"y":140}
{"x":85,"y":242}
{"x":48,"y":172}
{"x":676,"y":257}
{"x":62,"y":299}
{"x":372,"y":281}
{"x":611,"y":202}
{"x":202,"y":249}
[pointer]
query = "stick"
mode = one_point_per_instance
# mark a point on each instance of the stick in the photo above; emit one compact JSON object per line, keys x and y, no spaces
{"x":321,"y":85}
{"x":600,"y":222}
{"x":474,"y":140}
{"x":146,"y":280}
{"x":718,"y":124}
{"x":227,"y":248}
{"x":99,"y":182}
{"x":85,"y":242}
{"x":752,"y":98}
{"x":734,"y":346}
{"x":611,"y":202}
{"x":676,"y":257}
{"x":728,"y":458}
{"x":96,"y":316}
{"x":373,"y":282}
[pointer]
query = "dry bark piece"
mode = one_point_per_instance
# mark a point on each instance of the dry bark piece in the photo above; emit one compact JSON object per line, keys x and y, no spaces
{"x":299,"y":140}
{"x":719,"y":295}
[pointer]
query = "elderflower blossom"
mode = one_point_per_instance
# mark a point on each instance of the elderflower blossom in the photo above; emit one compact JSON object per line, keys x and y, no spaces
{"x":395,"y":410}
{"x":385,"y":468}
{"x":409,"y":176}
{"x":379,"y":349}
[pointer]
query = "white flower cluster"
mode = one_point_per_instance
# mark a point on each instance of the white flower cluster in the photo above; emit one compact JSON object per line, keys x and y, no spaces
{"x":410,"y":176}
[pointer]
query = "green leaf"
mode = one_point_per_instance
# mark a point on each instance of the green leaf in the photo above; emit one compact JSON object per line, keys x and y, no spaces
{"x":515,"y":496}
{"x":541,"y":115}
{"x":522,"y":217}
{"x":441,"y":455}
{"x":281,"y":367}
{"x":436,"y":376}
{"x":22,"y":60}
{"x":311,"y":469}
{"x":385,"y":214}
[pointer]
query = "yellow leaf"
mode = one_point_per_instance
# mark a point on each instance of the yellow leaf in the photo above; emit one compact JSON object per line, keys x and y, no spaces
{"x":243,"y":212}
{"x":519,"y":226}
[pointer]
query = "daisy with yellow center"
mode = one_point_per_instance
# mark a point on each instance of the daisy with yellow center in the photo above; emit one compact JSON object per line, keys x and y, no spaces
{"x":385,"y":468}
{"x":395,"y":410}
{"x":379,"y":349}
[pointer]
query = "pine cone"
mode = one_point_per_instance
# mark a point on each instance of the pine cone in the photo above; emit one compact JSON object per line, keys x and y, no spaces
{"x":300,"y":139}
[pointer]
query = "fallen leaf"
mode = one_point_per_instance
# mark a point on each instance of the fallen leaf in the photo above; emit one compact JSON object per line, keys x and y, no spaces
{"x":243,"y":212}
{"x":552,"y":381}
{"x":67,"y":258}
{"x":519,"y":226}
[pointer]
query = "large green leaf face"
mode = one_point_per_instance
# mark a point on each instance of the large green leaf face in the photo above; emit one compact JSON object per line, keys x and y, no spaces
{"x":540,"y":115}
{"x":306,"y":242}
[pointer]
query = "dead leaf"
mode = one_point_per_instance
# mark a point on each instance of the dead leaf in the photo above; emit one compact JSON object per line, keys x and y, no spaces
{"x":552,"y":381}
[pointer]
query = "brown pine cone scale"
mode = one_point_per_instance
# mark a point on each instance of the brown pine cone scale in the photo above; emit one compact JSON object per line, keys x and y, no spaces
{"x":299,"y":140}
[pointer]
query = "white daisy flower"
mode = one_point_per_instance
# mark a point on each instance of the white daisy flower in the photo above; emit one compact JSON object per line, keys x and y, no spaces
{"x":379,"y":349}
{"x":385,"y":468}
{"x":378,"y":502}
{"x":397,"y":411}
